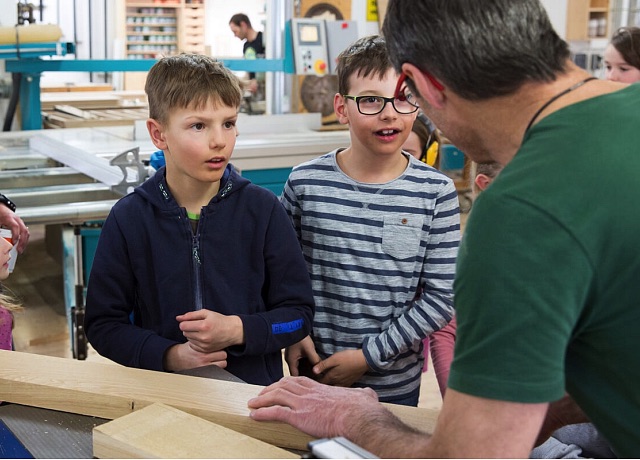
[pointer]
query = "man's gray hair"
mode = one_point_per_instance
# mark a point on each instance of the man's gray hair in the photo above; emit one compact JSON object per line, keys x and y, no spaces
{"x":480,"y":49}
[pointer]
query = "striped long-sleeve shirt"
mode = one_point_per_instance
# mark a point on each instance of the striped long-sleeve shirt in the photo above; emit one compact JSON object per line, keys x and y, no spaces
{"x":369,"y":249}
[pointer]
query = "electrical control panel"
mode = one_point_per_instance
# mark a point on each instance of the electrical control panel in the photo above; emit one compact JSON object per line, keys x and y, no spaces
{"x":310,"y":49}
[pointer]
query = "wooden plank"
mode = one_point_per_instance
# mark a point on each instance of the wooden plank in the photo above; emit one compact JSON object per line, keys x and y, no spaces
{"x":161,"y":431}
{"x":74,"y":111}
{"x":71,"y":88}
{"x":95,"y":100}
{"x":111,"y":391}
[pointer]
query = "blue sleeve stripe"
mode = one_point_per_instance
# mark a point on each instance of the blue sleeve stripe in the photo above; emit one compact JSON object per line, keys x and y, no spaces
{"x":287,"y":328}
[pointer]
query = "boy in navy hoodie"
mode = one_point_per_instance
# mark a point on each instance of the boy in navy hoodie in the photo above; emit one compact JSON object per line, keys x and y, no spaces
{"x":197,"y":265}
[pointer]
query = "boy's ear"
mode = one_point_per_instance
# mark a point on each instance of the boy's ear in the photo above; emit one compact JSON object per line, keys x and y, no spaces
{"x":432,"y":95}
{"x":482,"y":181}
{"x":157,"y":134}
{"x":340,"y":108}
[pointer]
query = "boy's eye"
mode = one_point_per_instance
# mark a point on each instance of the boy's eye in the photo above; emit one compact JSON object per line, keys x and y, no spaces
{"x":198,"y":126}
{"x":229,"y":124}
{"x":370,"y":99}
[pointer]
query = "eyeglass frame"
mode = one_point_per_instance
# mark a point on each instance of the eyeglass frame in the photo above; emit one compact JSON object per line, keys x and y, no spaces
{"x":386,"y":100}
{"x":402,"y":80}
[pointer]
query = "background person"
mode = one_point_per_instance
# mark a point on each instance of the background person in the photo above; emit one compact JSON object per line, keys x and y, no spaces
{"x":9,"y":219}
{"x":8,"y":304}
{"x":546,"y":285}
{"x":424,"y":141}
{"x":622,"y":56}
{"x":253,"y":48}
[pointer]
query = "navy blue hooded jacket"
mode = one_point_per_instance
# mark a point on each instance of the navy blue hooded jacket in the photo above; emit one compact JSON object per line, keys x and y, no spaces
{"x":244,"y":260}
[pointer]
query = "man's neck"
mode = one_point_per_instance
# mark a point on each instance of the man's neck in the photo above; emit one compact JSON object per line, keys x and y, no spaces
{"x":500,"y":122}
{"x":251,"y":35}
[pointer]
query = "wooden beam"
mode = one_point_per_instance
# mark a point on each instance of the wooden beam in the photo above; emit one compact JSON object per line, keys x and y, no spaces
{"x":111,"y":391}
{"x":160,"y":431}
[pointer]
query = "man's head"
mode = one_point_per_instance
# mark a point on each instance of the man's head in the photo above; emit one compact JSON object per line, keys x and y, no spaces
{"x":479,"y":50}
{"x":240,"y":25}
{"x":189,"y":80}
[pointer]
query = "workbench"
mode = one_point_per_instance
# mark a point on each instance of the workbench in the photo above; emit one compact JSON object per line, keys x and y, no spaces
{"x":109,"y":391}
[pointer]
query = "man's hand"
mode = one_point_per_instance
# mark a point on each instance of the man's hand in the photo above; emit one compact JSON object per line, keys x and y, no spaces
{"x":324,"y":412}
{"x":317,"y":409}
{"x":19,"y":231}
{"x":208,"y":331}
{"x":343,"y":368}
{"x":305,"y":349}
{"x":183,"y":356}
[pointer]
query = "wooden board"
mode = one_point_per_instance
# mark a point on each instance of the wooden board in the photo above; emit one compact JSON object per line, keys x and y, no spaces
{"x":95,"y":99}
{"x":73,"y":88}
{"x":111,"y":391}
{"x":66,"y":116}
{"x":161,"y":431}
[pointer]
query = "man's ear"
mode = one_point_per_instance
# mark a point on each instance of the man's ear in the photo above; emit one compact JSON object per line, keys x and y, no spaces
{"x":157,"y":134}
{"x":432,"y":95}
{"x":340,"y":108}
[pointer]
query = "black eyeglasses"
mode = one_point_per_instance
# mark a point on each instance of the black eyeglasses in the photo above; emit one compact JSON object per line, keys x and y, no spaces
{"x":373,"y":105}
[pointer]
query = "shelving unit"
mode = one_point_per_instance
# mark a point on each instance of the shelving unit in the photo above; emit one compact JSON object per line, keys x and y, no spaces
{"x":587,"y":19}
{"x":155,"y":28}
{"x":151,"y":31}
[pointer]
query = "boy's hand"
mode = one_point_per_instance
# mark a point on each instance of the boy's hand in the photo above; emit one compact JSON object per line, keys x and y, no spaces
{"x":183,"y":356}
{"x":208,"y":331}
{"x":343,"y":368}
{"x":303,"y":350}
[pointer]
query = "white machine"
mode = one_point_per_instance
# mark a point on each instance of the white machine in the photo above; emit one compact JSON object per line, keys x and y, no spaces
{"x":310,"y":46}
{"x":317,"y":43}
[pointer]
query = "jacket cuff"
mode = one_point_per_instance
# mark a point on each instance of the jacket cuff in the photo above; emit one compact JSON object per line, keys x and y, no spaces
{"x":153,"y":351}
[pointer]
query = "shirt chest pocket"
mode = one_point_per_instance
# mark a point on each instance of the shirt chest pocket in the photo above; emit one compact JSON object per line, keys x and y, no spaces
{"x":401,"y":235}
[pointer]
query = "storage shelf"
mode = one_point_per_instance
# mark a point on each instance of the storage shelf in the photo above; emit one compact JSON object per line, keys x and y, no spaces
{"x":146,"y":21}
{"x":587,"y":19}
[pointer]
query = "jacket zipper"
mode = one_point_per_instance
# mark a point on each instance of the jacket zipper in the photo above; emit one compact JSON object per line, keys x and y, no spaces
{"x":197,"y":265}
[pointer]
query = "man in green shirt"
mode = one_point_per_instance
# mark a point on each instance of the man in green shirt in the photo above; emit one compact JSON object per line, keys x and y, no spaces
{"x":546,"y":290}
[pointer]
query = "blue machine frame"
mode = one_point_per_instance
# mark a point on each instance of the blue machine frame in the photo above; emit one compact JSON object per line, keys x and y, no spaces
{"x":30,"y":67}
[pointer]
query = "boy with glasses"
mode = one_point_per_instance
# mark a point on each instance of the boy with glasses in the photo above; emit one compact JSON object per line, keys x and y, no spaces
{"x":376,"y":227}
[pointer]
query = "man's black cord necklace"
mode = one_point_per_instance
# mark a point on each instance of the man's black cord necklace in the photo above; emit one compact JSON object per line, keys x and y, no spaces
{"x":557,"y":96}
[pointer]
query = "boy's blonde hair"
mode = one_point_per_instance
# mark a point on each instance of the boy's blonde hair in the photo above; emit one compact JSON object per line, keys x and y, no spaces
{"x":364,"y":57}
{"x":189,"y":80}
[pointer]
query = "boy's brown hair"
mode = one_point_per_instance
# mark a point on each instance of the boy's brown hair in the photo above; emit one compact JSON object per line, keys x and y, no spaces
{"x":364,"y":57}
{"x":189,"y":80}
